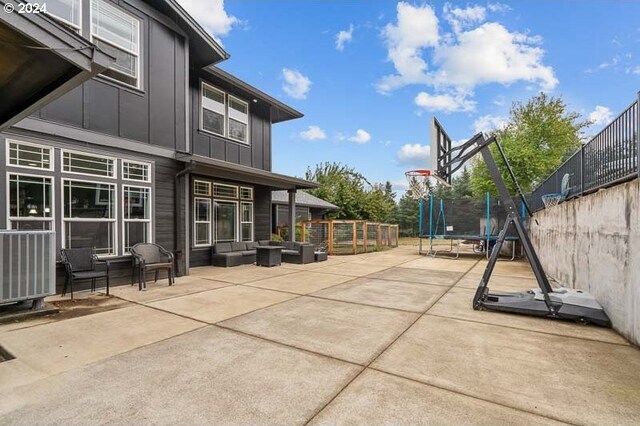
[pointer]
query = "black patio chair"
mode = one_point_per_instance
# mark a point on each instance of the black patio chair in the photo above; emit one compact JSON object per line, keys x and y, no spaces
{"x":152,"y":257}
{"x":80,"y":264}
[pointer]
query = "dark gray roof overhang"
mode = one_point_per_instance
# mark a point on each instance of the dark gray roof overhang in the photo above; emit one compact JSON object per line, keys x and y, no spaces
{"x":40,"y":60}
{"x":225,"y":170}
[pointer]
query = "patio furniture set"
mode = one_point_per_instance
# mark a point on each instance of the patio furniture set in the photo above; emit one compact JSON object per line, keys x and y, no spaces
{"x":83,"y":263}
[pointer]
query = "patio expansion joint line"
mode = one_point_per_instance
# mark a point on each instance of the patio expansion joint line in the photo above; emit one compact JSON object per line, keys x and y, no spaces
{"x":175,"y":296}
{"x":546,"y":333}
{"x":468,"y":395}
{"x":383,"y":350}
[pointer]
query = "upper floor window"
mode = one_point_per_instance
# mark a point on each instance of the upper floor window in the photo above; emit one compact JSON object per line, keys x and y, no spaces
{"x":118,"y":34}
{"x":224,"y":115}
{"x":74,"y":162}
{"x":67,"y":11}
{"x":28,"y":155}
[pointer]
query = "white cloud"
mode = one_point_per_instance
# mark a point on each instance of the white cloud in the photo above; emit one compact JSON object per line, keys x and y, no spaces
{"x":414,"y":154}
{"x":632,"y":70}
{"x":604,"y":65}
{"x":361,"y":137}
{"x":460,"y":18}
{"x":487,"y":123}
{"x":498,"y":7}
{"x":445,"y":103}
{"x":416,"y":29}
{"x":492,"y":54}
{"x":601,"y":116}
{"x":313,"y":133}
{"x":454,"y":64}
{"x":295,"y":84}
{"x":211,"y":15}
{"x":344,"y":37}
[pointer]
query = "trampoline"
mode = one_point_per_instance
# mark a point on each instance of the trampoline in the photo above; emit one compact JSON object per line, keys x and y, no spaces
{"x":474,"y":220}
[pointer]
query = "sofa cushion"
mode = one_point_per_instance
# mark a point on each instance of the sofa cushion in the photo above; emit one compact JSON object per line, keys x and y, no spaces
{"x":292,"y":252}
{"x":222,"y":248}
{"x":289,"y":245}
{"x":252,"y":245}
{"x":248,"y":252}
{"x":264,"y":242}
{"x":229,"y":254}
{"x":238,"y":246}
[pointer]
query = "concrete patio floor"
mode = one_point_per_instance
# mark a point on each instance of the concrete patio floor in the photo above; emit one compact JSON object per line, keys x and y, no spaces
{"x":379,"y":338}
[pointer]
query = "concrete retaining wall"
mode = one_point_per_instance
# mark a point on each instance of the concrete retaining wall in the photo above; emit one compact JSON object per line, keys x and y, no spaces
{"x":593,"y":243}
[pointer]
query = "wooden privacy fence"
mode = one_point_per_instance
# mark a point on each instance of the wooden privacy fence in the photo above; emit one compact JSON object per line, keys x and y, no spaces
{"x":349,"y":236}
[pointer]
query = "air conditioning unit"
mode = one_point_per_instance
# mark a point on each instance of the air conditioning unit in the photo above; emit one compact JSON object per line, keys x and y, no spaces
{"x":27,"y":266}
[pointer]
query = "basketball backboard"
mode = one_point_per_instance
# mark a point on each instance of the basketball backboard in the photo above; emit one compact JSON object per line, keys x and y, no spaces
{"x":440,"y":152}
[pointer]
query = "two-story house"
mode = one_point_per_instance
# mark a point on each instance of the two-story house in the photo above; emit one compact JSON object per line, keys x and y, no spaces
{"x":161,"y":147}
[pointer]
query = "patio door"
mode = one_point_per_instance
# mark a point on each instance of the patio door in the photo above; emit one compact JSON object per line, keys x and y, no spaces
{"x":225,"y":221}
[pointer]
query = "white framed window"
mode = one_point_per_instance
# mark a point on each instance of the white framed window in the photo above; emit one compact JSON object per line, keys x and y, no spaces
{"x":133,"y":170}
{"x":201,"y":187}
{"x":118,"y":34}
{"x":66,"y":11}
{"x":28,"y":155}
{"x":246,"y":221}
{"x":30,"y":202}
{"x":225,"y":221}
{"x":213,"y":110}
{"x":136,"y":216}
{"x":224,"y":190}
{"x":202,"y":221}
{"x":238,"y":120}
{"x":88,"y":164}
{"x":89,"y":215}
{"x":223,"y":114}
{"x":246,"y":193}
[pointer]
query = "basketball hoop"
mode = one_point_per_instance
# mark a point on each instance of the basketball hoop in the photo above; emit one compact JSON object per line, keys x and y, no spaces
{"x":551,"y":200}
{"x":417,"y":183}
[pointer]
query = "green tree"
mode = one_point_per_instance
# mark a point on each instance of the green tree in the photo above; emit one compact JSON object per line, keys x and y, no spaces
{"x":538,"y":137}
{"x":407,"y":216}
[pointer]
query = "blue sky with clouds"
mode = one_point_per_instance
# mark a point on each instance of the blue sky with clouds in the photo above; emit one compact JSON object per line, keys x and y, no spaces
{"x":369,"y":75}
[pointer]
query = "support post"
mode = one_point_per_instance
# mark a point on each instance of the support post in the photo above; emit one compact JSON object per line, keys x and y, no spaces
{"x":330,"y":237}
{"x":638,"y":134}
{"x":355,"y":238}
{"x":292,"y":214}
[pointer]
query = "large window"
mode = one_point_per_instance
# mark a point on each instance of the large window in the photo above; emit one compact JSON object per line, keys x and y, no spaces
{"x":30,"y":202}
{"x":224,"y":115}
{"x":222,"y":213}
{"x":202,"y":221}
{"x":137,"y":216}
{"x":67,"y":11}
{"x":118,"y":34}
{"x":90,"y":215}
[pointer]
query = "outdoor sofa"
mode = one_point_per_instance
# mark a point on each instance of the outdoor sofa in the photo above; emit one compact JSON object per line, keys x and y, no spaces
{"x":294,"y":252}
{"x":233,"y":254}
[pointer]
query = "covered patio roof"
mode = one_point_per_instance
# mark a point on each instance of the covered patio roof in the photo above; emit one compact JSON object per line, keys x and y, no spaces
{"x":40,"y":60}
{"x":226,"y":170}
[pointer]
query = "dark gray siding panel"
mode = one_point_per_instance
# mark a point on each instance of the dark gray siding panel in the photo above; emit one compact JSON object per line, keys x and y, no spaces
{"x":180,"y":89}
{"x":201,"y":145}
{"x":233,"y":153}
{"x":200,"y":257}
{"x":67,"y":109}
{"x":134,"y":116}
{"x":218,"y":148}
{"x":262,"y":213}
{"x":245,"y":156}
{"x":256,"y":150}
{"x":162,"y":86}
{"x":100,"y":107}
{"x":266,"y":155}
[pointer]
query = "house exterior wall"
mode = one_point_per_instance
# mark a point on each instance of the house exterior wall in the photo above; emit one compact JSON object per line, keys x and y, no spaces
{"x":155,"y":114}
{"x":256,"y":153}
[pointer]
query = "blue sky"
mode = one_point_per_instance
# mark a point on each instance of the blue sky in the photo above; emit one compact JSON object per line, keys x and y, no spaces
{"x":369,"y":75}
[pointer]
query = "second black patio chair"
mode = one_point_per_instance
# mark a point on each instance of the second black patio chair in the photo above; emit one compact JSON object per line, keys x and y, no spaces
{"x":80,"y":264}
{"x":152,"y":257}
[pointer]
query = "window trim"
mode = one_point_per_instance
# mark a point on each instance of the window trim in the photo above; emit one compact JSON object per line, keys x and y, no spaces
{"x":214,"y":228}
{"x":250,"y":188}
{"x":236,"y":99}
{"x":209,"y":184}
{"x":209,"y":222}
{"x":149,"y":221}
{"x":64,"y":220}
{"x":140,"y":163}
{"x":228,"y":185}
{"x":10,"y":218}
{"x":138,"y":55}
{"x":64,"y":21}
{"x":70,"y":151}
{"x":8,"y":142}
{"x":225,"y":134}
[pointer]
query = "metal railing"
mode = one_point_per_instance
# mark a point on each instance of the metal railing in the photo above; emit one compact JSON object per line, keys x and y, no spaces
{"x":28,"y":261}
{"x":609,"y":158}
